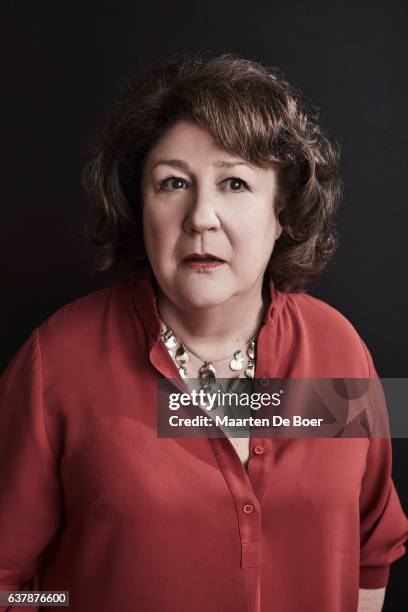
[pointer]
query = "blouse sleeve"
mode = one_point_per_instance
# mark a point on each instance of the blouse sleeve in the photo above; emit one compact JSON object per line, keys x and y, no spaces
{"x":383,"y":524}
{"x":30,"y":500}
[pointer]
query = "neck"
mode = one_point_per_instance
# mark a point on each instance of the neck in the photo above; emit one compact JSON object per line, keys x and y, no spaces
{"x":219,"y":329}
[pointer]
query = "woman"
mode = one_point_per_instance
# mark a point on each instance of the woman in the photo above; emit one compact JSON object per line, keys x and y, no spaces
{"x":216,"y":189}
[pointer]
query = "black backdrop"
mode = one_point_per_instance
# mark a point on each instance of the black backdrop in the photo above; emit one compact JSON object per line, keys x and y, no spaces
{"x":62,"y":66}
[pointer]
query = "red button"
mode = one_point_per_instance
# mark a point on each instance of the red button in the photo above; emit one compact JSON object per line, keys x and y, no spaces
{"x":259,"y":450}
{"x":248,"y":508}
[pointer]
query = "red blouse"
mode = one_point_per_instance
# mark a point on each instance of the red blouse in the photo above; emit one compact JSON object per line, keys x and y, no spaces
{"x":94,"y":503}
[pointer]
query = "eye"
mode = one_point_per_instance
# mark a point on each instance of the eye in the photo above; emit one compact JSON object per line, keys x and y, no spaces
{"x":237,"y":183}
{"x":172,"y":183}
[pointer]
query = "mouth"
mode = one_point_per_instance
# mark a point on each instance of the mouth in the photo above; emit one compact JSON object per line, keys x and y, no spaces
{"x":203,"y":261}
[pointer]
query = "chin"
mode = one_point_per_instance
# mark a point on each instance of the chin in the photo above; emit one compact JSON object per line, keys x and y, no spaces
{"x":204,"y":297}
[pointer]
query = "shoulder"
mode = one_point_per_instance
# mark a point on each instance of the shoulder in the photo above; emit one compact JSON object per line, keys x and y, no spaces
{"x":85,"y":321}
{"x":81,"y":312}
{"x":316,"y":312}
{"x":76,"y":336}
{"x":327,"y":333}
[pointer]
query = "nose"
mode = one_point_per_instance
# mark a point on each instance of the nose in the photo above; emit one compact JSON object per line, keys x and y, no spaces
{"x":202,"y":213}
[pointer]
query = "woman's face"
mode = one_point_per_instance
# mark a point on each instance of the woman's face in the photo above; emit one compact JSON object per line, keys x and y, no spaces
{"x":199,"y":200}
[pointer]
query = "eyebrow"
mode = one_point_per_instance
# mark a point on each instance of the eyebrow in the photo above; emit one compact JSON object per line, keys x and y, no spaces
{"x":179,"y":163}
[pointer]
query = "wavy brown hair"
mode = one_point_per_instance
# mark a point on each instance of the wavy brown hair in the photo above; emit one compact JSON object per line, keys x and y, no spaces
{"x":251,"y":111}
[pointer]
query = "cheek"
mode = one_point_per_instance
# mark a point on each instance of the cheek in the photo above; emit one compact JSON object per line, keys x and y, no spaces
{"x":160,"y":228}
{"x":254,"y":233}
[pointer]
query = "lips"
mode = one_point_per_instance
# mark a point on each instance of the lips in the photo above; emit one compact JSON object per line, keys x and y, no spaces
{"x":203,"y":262}
{"x":202,"y":258}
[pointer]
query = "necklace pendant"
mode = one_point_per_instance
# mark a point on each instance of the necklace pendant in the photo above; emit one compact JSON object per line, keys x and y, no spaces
{"x":181,"y":355}
{"x":169,"y":339}
{"x":251,"y":349}
{"x":166,"y":334}
{"x":237,"y":361}
{"x":207,"y":370}
{"x":207,"y":375}
{"x":250,"y":369}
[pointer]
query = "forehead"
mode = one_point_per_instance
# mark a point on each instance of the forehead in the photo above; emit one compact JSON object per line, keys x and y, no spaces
{"x":186,"y":138}
{"x":186,"y":145}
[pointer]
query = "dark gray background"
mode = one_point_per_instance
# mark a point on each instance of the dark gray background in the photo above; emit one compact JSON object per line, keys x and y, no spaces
{"x":62,"y":66}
